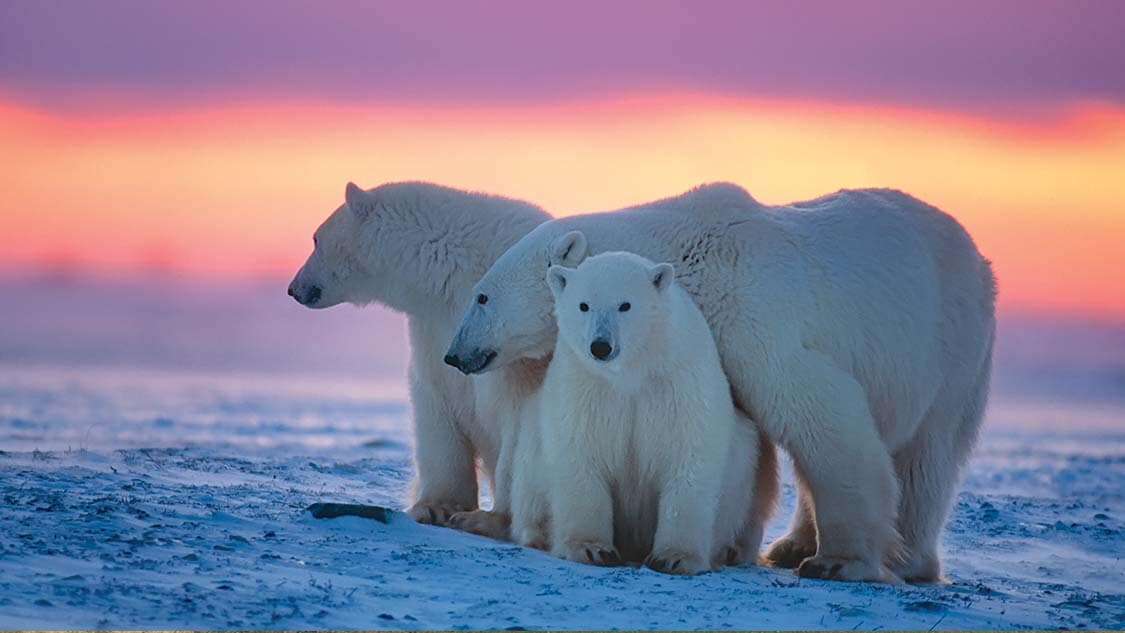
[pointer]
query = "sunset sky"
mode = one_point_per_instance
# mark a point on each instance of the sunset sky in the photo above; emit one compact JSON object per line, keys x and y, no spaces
{"x":210,"y":138}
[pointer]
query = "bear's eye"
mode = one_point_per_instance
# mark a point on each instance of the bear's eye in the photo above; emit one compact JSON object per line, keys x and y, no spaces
{"x":315,"y":241}
{"x":624,"y":307}
{"x":482,"y":298}
{"x":583,"y":307}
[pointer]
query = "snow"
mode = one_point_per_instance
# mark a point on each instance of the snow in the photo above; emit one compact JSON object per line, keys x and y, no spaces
{"x":169,"y":499}
{"x":161,"y":439}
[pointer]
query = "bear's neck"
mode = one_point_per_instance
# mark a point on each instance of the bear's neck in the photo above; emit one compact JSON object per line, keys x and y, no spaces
{"x":458,"y":243}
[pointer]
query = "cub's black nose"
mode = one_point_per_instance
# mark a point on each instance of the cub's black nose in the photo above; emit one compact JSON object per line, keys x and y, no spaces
{"x":453,"y":361}
{"x":600,"y":349}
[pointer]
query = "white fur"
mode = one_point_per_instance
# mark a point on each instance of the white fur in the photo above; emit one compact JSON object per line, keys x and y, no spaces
{"x":642,"y":454}
{"x":856,"y":329}
{"x":419,"y":248}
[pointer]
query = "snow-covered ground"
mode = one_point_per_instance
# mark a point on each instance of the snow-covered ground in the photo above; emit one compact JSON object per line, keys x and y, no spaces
{"x":157,"y":454}
{"x":162,"y":499}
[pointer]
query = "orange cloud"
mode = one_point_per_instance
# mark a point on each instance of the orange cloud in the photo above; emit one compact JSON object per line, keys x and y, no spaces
{"x":237,"y":190}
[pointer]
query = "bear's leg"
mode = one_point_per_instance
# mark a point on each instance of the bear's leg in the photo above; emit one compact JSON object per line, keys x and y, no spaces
{"x":530,"y":515}
{"x":799,"y":542}
{"x":929,"y":468}
{"x":529,"y":492}
{"x":686,"y":514}
{"x":929,"y":479}
{"x":819,"y":414}
{"x":763,"y":504}
{"x":445,"y":473}
{"x":582,"y":518}
{"x":495,"y":523}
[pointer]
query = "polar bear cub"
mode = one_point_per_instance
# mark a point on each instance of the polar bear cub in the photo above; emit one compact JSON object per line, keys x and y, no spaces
{"x":646,"y":458}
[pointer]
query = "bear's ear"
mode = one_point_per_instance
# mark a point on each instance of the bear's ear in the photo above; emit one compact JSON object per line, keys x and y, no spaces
{"x":569,"y":250}
{"x":662,"y":276}
{"x":556,"y":279}
{"x":359,"y":201}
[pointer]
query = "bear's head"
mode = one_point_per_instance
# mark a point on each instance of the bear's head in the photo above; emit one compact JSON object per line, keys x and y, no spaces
{"x":361,"y":253}
{"x":609,"y":307}
{"x":510,"y":313}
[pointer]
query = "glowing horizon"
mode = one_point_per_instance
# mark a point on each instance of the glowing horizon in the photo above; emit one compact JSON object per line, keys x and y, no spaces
{"x":236,"y":190}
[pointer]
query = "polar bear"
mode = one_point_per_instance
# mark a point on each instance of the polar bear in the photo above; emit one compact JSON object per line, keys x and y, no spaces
{"x":644,"y":456}
{"x":856,"y":329}
{"x":418,"y":248}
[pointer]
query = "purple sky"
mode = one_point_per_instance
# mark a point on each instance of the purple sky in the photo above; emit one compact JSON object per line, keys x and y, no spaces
{"x":1018,"y":56}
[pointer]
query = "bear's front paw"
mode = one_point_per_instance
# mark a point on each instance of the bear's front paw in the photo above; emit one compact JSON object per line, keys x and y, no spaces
{"x":676,"y":561}
{"x":591,"y":553}
{"x":826,"y":568}
{"x":494,"y":525}
{"x":434,"y":512}
{"x":788,"y":552}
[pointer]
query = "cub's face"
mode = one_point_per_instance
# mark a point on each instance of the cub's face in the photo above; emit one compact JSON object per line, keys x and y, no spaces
{"x":606,"y":308}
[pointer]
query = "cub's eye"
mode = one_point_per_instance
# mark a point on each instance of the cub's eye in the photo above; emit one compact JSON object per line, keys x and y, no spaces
{"x":482,"y":298}
{"x":583,"y":307}
{"x":624,"y":307}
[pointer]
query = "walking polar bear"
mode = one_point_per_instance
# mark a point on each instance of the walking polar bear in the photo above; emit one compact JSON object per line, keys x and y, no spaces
{"x":418,"y":248}
{"x":641,"y":454}
{"x":856,"y":329}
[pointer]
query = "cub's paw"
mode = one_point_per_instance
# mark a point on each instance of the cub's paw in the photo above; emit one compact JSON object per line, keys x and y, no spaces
{"x":494,"y":525}
{"x":590,"y":552}
{"x":787,"y":552}
{"x":676,"y":561}
{"x":850,"y":570}
{"x":434,"y":512}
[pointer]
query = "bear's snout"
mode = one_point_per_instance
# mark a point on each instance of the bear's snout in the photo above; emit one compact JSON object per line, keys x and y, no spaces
{"x":601,"y":349}
{"x":473,"y":363}
{"x":307,"y":298}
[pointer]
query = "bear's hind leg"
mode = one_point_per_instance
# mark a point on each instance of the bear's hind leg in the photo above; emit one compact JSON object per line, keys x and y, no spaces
{"x":929,"y":468}
{"x":799,"y":542}
{"x":819,"y":414}
{"x":764,"y":502}
{"x":924,"y":470}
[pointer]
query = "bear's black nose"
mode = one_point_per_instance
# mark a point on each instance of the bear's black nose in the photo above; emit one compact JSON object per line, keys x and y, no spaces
{"x":600,"y":349}
{"x":453,"y":361}
{"x":291,"y":293}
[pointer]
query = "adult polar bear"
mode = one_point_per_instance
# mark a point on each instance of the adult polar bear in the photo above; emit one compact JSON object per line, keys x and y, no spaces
{"x":418,"y":248}
{"x":856,"y":328}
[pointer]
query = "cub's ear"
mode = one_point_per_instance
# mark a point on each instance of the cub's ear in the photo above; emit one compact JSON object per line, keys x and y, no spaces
{"x":359,"y":201}
{"x":556,"y":279}
{"x":569,"y":250}
{"x":662,"y":276}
